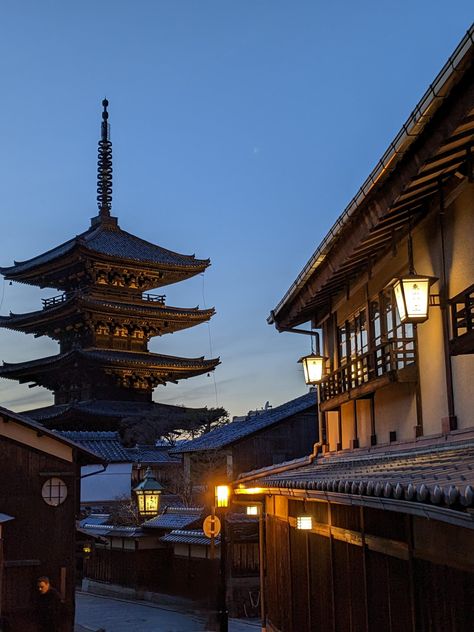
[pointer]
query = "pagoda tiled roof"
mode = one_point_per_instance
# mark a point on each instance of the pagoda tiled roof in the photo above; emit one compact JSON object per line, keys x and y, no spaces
{"x":439,"y":475}
{"x":106,"y":408}
{"x":111,"y":357}
{"x":106,"y":238}
{"x":237,"y":430}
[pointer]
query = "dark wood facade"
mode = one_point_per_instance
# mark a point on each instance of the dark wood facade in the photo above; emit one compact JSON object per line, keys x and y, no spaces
{"x":40,"y":540}
{"x":367,"y":570}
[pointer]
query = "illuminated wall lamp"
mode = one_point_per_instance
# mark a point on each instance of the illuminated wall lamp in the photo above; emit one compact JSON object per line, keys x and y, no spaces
{"x":304,"y":522}
{"x":412,"y":293}
{"x":313,"y":365}
{"x":252,"y":510}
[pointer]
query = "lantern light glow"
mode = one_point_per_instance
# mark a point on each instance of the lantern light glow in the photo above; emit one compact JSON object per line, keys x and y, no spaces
{"x":313,"y":367}
{"x":412,"y":296}
{"x":148,"y":494}
{"x":252,"y":510}
{"x":304,"y":522}
{"x":222,"y":495}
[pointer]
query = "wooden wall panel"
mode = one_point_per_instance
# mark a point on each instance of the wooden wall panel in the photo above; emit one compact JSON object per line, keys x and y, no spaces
{"x":321,"y":587}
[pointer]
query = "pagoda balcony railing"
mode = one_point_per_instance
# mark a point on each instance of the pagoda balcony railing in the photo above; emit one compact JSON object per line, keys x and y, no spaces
{"x":381,"y":361}
{"x":48,"y":303}
{"x":462,"y":322}
{"x":154,"y":298}
{"x":55,"y":300}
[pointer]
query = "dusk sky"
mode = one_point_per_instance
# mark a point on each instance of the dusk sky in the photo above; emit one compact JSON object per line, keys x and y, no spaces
{"x":240,"y":129}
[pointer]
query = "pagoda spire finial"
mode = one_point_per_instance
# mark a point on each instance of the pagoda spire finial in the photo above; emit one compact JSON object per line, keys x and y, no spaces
{"x":104,"y":166}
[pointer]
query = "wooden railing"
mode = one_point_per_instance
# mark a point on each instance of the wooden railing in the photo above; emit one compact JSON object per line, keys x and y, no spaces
{"x":394,"y":355}
{"x":61,"y":298}
{"x":155,"y":298}
{"x":54,"y":300}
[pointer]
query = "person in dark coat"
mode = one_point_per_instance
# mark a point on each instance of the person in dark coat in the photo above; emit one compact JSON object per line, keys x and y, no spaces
{"x":49,"y":605}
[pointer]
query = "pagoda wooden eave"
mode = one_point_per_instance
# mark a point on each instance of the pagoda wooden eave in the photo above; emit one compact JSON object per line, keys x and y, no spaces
{"x":51,"y":370}
{"x":109,"y":248}
{"x":78,"y":309}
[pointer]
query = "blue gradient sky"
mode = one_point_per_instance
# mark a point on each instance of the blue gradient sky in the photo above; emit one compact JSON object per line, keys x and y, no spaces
{"x":240,"y":130}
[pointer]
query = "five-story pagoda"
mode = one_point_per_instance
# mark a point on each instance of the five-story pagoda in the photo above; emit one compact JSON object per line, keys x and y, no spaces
{"x":104,"y":317}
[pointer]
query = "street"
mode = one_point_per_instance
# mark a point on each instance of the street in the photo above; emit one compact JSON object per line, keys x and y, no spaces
{"x":117,"y":615}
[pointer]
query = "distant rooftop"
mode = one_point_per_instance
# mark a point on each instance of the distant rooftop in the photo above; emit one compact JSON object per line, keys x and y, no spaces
{"x":241,"y":428}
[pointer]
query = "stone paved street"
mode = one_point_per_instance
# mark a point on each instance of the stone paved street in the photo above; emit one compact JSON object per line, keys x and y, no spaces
{"x":117,"y":615}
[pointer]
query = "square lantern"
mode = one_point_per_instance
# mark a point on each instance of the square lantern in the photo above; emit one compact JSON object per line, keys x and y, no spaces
{"x":252,"y":510}
{"x":222,"y":494}
{"x":412,"y":296}
{"x":304,"y":522}
{"x":148,"y":493}
{"x":313,"y":367}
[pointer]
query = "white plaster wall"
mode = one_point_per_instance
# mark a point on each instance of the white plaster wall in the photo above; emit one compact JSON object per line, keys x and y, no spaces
{"x":332,"y":418}
{"x":105,"y":486}
{"x":463,"y":379}
{"x":395,"y":409}
{"x":347,"y":417}
{"x":363,"y":422}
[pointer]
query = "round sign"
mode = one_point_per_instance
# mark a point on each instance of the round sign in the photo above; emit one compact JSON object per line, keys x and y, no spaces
{"x":211,"y":526}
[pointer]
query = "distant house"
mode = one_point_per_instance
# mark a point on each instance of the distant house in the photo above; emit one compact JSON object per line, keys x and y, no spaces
{"x":125,"y":466}
{"x":39,"y":501}
{"x":262,"y":438}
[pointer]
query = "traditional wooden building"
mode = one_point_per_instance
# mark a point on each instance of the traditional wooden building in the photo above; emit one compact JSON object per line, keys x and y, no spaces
{"x":39,"y":493}
{"x":105,"y":316}
{"x":375,"y":530}
{"x":269,"y":436}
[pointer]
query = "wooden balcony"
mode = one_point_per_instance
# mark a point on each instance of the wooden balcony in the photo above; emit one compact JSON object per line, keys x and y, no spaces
{"x":392,"y":361}
{"x":462,"y":322}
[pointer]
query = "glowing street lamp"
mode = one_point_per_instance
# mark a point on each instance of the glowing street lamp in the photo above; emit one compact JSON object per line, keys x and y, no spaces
{"x":148,"y":494}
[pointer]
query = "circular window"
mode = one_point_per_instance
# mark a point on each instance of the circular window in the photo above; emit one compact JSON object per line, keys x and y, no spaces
{"x":54,"y":492}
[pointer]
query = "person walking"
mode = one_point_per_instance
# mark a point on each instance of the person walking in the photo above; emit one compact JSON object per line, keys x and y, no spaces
{"x":49,"y":606}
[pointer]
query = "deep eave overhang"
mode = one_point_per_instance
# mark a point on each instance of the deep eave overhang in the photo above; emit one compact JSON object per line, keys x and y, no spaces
{"x":432,"y":145}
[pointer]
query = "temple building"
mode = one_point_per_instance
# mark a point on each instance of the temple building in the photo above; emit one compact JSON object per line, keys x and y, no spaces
{"x":104,"y":318}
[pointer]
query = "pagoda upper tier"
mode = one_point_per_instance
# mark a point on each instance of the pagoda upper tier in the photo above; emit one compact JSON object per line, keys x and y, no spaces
{"x":85,"y":319}
{"x":105,"y":256}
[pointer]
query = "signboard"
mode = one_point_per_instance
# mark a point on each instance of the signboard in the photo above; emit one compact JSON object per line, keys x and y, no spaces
{"x":211,"y":526}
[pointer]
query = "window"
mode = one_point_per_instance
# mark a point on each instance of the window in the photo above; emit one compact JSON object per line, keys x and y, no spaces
{"x":54,"y":492}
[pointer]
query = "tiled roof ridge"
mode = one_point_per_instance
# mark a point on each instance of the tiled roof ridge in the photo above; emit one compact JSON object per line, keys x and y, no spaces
{"x":443,"y":476}
{"x":91,"y":435}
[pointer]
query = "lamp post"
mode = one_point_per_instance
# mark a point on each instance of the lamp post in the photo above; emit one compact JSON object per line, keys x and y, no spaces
{"x":148,"y":494}
{"x":221,"y":503}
